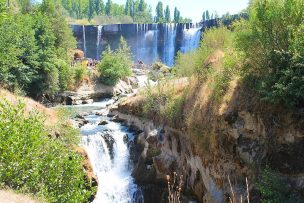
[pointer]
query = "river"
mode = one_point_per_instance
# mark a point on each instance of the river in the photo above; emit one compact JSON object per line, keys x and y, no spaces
{"x":109,"y":153}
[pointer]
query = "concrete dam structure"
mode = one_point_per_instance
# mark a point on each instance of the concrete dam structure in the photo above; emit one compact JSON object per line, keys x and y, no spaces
{"x":148,"y":42}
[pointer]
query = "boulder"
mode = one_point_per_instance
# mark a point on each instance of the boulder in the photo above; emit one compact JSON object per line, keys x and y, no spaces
{"x":103,"y":122}
{"x":116,"y":119}
{"x":110,"y":143}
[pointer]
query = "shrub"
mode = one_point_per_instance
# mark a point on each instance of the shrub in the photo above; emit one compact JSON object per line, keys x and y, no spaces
{"x":115,"y":65}
{"x":65,"y":74}
{"x":273,"y":189}
{"x":34,"y":163}
{"x":165,"y":101}
{"x":273,"y":45}
{"x":185,"y":64}
{"x":80,"y":73}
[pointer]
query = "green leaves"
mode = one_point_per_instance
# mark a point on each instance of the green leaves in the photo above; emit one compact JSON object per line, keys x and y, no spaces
{"x":30,"y":44}
{"x":272,"y":41}
{"x":34,"y":163}
{"x":115,"y":65}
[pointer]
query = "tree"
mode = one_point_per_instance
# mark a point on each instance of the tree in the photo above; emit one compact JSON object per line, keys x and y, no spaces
{"x":128,"y":7}
{"x":176,"y":15}
{"x":91,"y":10}
{"x":159,"y":13}
{"x":99,"y":7}
{"x":142,"y":6}
{"x":115,"y":65}
{"x":204,"y":16}
{"x":167,"y":15}
{"x":108,"y":8}
{"x":207,"y":15}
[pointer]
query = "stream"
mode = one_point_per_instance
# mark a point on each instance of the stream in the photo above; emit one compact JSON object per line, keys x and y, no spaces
{"x":108,"y":149}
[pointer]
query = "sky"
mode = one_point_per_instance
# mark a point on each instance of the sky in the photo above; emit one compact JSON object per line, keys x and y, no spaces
{"x":194,"y":8}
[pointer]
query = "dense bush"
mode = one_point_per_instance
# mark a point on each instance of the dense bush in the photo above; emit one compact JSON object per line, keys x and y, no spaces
{"x":115,"y":65}
{"x":80,"y":72}
{"x":32,"y":162}
{"x":273,"y":46}
{"x":34,"y":47}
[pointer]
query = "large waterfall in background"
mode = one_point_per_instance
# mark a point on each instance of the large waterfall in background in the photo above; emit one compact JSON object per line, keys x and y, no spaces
{"x":148,"y":42}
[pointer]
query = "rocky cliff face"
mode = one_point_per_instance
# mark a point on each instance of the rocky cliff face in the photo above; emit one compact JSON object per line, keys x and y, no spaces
{"x":242,"y":139}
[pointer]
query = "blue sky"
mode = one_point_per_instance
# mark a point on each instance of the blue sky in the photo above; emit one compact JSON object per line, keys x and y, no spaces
{"x":194,"y":8}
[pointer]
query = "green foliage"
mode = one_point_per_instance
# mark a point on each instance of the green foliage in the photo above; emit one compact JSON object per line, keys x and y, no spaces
{"x":167,"y":15}
{"x":176,"y":15}
{"x":30,"y":46}
{"x":274,"y":48}
{"x":185,"y":64}
{"x":116,"y":64}
{"x":80,"y":73}
{"x":34,"y":163}
{"x":163,"y":101}
{"x":273,"y":189}
{"x":65,"y":74}
{"x":159,"y":13}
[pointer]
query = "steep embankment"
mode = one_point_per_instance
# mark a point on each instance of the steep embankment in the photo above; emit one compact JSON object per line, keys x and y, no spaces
{"x":51,"y":115}
{"x":51,"y":134}
{"x":211,"y":138}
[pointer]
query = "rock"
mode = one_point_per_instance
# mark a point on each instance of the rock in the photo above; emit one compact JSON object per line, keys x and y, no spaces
{"x":88,"y":101}
{"x":103,"y":122}
{"x":110,"y":143}
{"x":110,"y":115}
{"x":81,"y":122}
{"x":134,"y":129}
{"x":116,"y":119}
{"x":126,"y":138}
{"x":77,"y":102}
{"x":81,"y":115}
{"x":152,"y":140}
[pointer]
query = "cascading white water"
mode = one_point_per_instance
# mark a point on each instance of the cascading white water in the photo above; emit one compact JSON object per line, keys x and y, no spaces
{"x":98,"y":47}
{"x":169,"y":43}
{"x":110,"y":157}
{"x":191,"y":39}
{"x":84,"y":41}
{"x":148,"y":42}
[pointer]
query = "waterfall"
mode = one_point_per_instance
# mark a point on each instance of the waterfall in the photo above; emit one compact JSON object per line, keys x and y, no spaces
{"x":110,"y":158}
{"x":98,"y":46}
{"x":84,"y":41}
{"x":191,"y":39}
{"x":148,"y":42}
{"x":169,"y":44}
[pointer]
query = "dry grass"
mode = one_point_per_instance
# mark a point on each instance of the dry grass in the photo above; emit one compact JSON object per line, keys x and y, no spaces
{"x":175,"y":185}
{"x":9,"y":196}
{"x":51,"y":115}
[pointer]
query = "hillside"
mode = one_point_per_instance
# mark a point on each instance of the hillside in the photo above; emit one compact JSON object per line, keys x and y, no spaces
{"x":31,"y":105}
{"x":36,"y":139}
{"x":239,"y":115}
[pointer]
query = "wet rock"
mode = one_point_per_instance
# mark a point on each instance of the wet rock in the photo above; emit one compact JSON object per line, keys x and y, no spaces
{"x":110,"y":115}
{"x":81,"y":115}
{"x":134,"y":129}
{"x":110,"y":143}
{"x":81,"y":122}
{"x":88,"y":101}
{"x":154,"y":193}
{"x":103,"y":122}
{"x":126,"y":138}
{"x":116,"y":119}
